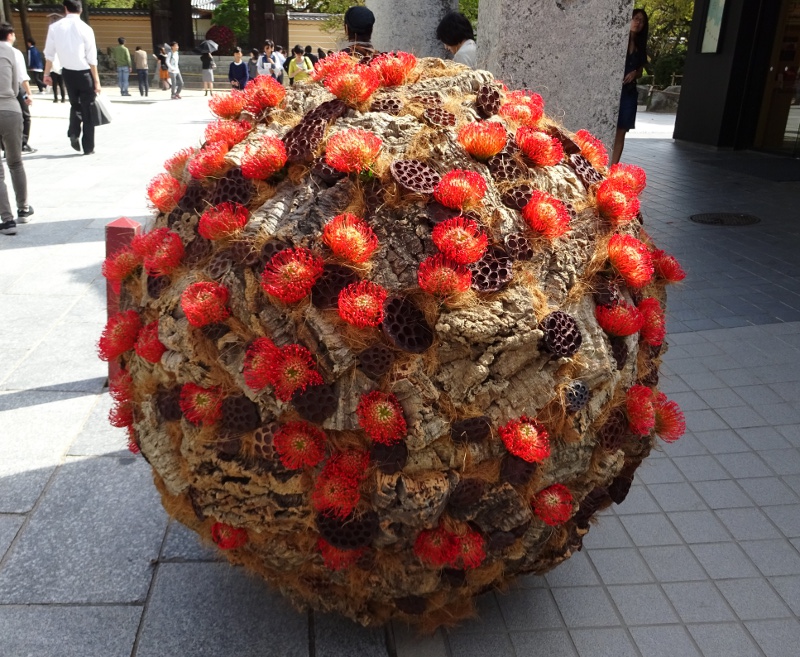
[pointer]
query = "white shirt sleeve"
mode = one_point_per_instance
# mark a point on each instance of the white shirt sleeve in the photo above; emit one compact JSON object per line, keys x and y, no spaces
{"x":89,"y":44}
{"x":22,"y":71}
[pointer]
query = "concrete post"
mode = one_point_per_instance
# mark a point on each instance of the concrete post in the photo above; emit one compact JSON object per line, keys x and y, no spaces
{"x":572,"y":52}
{"x":410,"y":25}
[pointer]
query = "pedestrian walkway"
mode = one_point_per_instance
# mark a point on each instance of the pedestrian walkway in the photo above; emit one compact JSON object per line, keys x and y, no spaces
{"x":703,"y":558}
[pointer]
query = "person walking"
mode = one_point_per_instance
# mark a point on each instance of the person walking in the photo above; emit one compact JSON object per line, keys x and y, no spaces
{"x":23,"y":95}
{"x":35,"y":65}
{"x":208,"y":66}
{"x":455,"y":32}
{"x":163,"y":69}
{"x":10,"y":129}
{"x":300,"y":67}
{"x":308,"y":53}
{"x":73,"y":41}
{"x":173,"y":66}
{"x":237,"y":71}
{"x":122,"y":58}
{"x":58,"y":80}
{"x":252,"y":64}
{"x":266,"y":61}
{"x":142,"y":70}
{"x":635,"y":61}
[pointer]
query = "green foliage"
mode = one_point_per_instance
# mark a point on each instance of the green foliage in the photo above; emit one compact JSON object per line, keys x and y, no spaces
{"x":113,"y":4}
{"x":233,"y":14}
{"x":670,"y":24}
{"x":470,"y":9}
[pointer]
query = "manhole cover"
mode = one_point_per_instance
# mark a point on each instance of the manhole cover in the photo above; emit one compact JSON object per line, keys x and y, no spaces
{"x":725,"y":219}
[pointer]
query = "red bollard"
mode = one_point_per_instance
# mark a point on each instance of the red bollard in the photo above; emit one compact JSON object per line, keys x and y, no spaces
{"x":119,"y":234}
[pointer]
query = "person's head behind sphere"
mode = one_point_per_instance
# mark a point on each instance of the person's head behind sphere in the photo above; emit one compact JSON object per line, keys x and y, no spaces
{"x":453,"y":30}
{"x":358,"y":24}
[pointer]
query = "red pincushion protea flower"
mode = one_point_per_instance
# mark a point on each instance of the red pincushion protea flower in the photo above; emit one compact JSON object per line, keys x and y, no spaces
{"x":352,"y":151}
{"x":229,"y":133}
{"x":667,"y":267}
{"x":471,"y":549}
{"x":262,"y":94}
{"x":460,"y":240}
{"x":442,"y":277}
{"x":526,"y":438}
{"x":361,"y":304}
{"x":522,"y":109}
{"x":119,"y":334}
{"x":133,"y":443}
{"x":258,"y":363}
{"x":553,"y":505}
{"x":143,"y":244}
{"x":338,"y":62}
{"x":483,"y":139}
{"x":336,"y":490}
{"x":670,"y":421}
{"x":148,"y":346}
{"x":292,"y":369}
{"x":264,"y":159}
{"x":227,"y":106}
{"x":210,"y":161}
{"x":393,"y":67}
{"x":350,"y":238}
{"x":117,"y":267}
{"x":437,"y":547}
{"x":630,"y":175}
{"x":227,"y":537}
{"x":121,"y":415}
{"x":641,"y":410}
{"x":381,"y":417}
{"x":223,"y":221}
{"x":120,"y":386}
{"x":621,"y":319}
{"x":201,"y":405}
{"x":300,"y":445}
{"x":616,"y":202}
{"x":354,"y":86}
{"x":539,"y":147}
{"x":654,"y":327}
{"x":205,"y":303}
{"x":176,"y":164}
{"x":592,"y":149}
{"x":546,"y":215}
{"x":336,"y":559}
{"x":163,"y":251}
{"x":291,"y":274}
{"x":460,"y":189}
{"x":164,"y":192}
{"x":631,"y":258}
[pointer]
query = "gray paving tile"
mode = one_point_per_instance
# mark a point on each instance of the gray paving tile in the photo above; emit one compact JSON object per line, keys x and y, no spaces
{"x":698,"y":602}
{"x":783,"y":461}
{"x":791,"y":433}
{"x":232,"y":614}
{"x":746,"y":464}
{"x":643,"y":604}
{"x":780,"y":413}
{"x":699,"y":526}
{"x":700,"y":468}
{"x":576,"y":571}
{"x":408,"y":643}
{"x":752,"y":599}
{"x":543,"y":644}
{"x":688,"y":445}
{"x":739,"y":377}
{"x":767,"y":491}
{"x":608,"y":532}
{"x":723,"y":494}
{"x":659,"y":471}
{"x":620,"y":566}
{"x":183,"y":544}
{"x":773,"y":557}
{"x":601,"y":642}
{"x":585,"y":606}
{"x":757,"y":395}
{"x":723,"y":441}
{"x":723,"y":560}
{"x":723,"y":640}
{"x":787,"y":518}
{"x":692,"y":401}
{"x":664,"y":641}
{"x":740,"y":417}
{"x":638,"y":500}
{"x":777,"y":638}
{"x":334,"y":636}
{"x":673,"y":563}
{"x":476,"y":645}
{"x":89,"y":542}
{"x":9,"y":526}
{"x":748,"y":524}
{"x":720,"y":398}
{"x":98,"y":436}
{"x":83,"y":631}
{"x":789,"y":590}
{"x":763,"y":438}
{"x":650,"y":529}
{"x":706,"y":420}
{"x":529,"y":609}
{"x":677,"y":497}
{"x":488,"y":617}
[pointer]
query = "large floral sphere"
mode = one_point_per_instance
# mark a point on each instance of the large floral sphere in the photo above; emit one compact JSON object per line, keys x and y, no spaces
{"x":401,"y":370}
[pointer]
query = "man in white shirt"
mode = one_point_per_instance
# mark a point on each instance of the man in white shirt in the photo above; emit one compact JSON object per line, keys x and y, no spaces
{"x":73,"y":41}
{"x":173,"y":67}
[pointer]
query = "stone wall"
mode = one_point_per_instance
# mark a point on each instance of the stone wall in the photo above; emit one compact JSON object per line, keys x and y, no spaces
{"x":409,"y":25}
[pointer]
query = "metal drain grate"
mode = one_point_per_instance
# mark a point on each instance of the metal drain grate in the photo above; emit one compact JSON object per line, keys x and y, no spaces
{"x":725,"y":219}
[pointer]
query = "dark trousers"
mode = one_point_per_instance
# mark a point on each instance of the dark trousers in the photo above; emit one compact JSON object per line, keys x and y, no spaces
{"x":38,"y":79}
{"x":10,"y":126}
{"x":144,"y":82}
{"x":80,"y":89}
{"x":26,"y":118}
{"x":58,"y":83}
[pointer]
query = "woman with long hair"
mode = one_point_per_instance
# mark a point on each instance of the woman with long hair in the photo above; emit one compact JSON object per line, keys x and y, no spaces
{"x":635,"y":61}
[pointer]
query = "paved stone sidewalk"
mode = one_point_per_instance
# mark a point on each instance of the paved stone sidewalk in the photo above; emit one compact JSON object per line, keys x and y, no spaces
{"x":702,"y":559}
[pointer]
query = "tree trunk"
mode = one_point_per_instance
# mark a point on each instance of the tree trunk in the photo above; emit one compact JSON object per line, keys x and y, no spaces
{"x":258,"y":26}
{"x":23,"y":19}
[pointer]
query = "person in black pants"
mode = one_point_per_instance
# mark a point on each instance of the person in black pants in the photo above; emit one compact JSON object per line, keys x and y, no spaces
{"x":58,"y":83}
{"x":81,"y":91}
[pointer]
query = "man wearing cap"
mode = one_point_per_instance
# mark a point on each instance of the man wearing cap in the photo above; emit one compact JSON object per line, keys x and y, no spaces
{"x":358,"y":23}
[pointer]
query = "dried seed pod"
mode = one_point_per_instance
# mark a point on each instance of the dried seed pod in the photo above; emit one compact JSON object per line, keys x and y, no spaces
{"x":569,"y":146}
{"x":351,"y":533}
{"x":387,"y":104}
{"x":303,"y":140}
{"x":244,"y":253}
{"x":467,"y":493}
{"x":325,"y":293}
{"x":263,"y":442}
{"x":219,"y":265}
{"x":471,"y":430}
{"x":606,"y":292}
{"x":156,"y":285}
{"x":427,"y":100}
{"x":437,"y":213}
{"x":576,"y":396}
{"x":229,"y":446}
{"x":517,"y":197}
{"x":233,"y":188}
{"x":562,"y":337}
{"x":326,"y":172}
{"x":405,"y":326}
{"x":375,"y":361}
{"x":168,"y":403}
{"x":585,"y":171}
{"x":270,"y":249}
{"x":487,"y":100}
{"x":619,"y":351}
{"x":415,"y":176}
{"x":316,"y":403}
{"x":330,"y":110}
{"x":389,"y":458}
{"x":196,"y":251}
{"x":505,"y":168}
{"x":436,"y":116}
{"x":193,"y":198}
{"x":493,"y":271}
{"x":516,"y":471}
{"x":612,"y":434}
{"x":518,"y":246}
{"x":239,"y":415}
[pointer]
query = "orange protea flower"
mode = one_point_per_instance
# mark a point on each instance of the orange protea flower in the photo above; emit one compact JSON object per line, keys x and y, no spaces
{"x":119,"y":334}
{"x":291,"y":273}
{"x":632,"y":176}
{"x":336,"y":490}
{"x":148,"y":346}
{"x":162,"y":251}
{"x":670,"y":422}
{"x":292,"y":369}
{"x":354,"y":86}
{"x":381,"y":417}
{"x":654,"y":324}
{"x":264,"y":159}
{"x":176,"y":164}
{"x":460,"y":189}
{"x":117,"y":267}
{"x":592,"y":149}
{"x":471,"y":549}
{"x":262,"y":94}
{"x":227,"y":537}
{"x":350,"y":238}
{"x":437,"y":547}
{"x":258,"y":363}
{"x":483,"y":139}
{"x":460,"y":240}
{"x":205,"y":303}
{"x":641,"y":410}
{"x":228,"y":132}
{"x":620,"y":320}
{"x":121,"y":415}
{"x":393,"y":67}
{"x":210,"y":161}
{"x":553,"y":505}
{"x":546,"y":215}
{"x":300,"y":445}
{"x":352,"y":151}
{"x":522,"y":109}
{"x":201,"y":405}
{"x":227,"y":106}
{"x":334,"y":558}
{"x":667,"y":267}
{"x":442,"y":277}
{"x":631,"y":258}
{"x":223,"y":221}
{"x":526,"y":438}
{"x":361,"y":304}
{"x":164,"y":192}
{"x":539,"y":147}
{"x":616,"y":202}
{"x":338,"y":62}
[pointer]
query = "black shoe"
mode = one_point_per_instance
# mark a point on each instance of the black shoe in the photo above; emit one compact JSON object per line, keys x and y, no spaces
{"x":56,"y":100}
{"x":89,"y":152}
{"x":8,"y":227}
{"x":24,"y":215}
{"x":63,"y":101}
{"x":76,"y":145}
{"x":28,"y":149}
